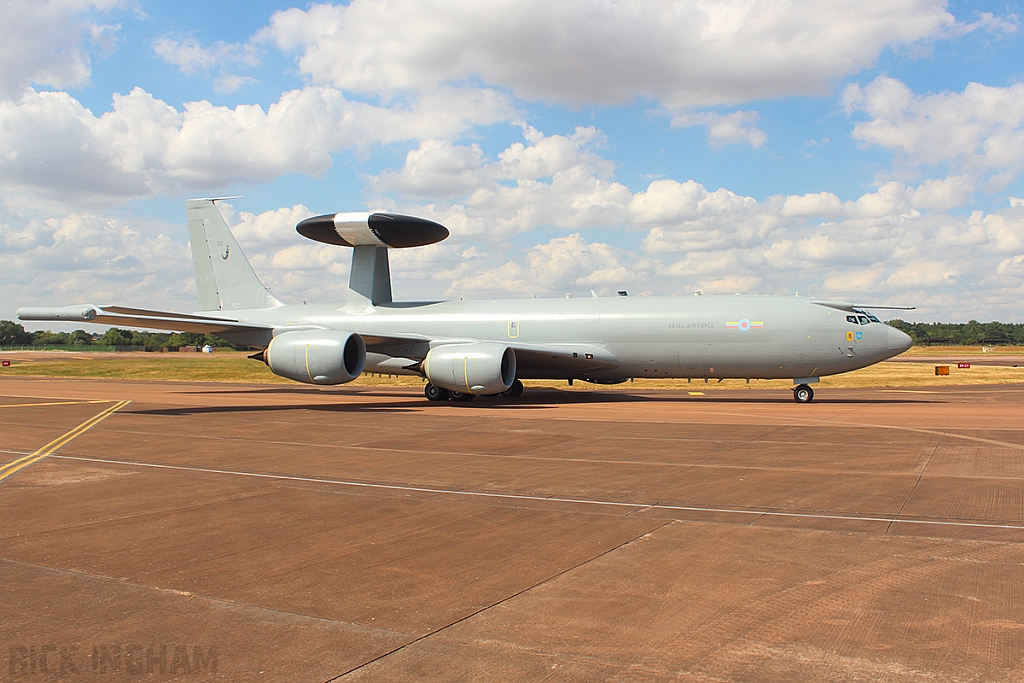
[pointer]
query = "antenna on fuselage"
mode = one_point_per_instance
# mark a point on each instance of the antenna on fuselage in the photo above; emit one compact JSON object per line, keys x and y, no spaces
{"x":371,"y":235}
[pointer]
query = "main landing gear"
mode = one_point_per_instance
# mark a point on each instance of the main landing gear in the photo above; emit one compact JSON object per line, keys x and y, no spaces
{"x":514,"y":391}
{"x":803,"y":394}
{"x":436,"y":393}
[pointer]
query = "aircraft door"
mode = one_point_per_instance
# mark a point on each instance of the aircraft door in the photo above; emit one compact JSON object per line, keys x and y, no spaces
{"x":691,"y":360}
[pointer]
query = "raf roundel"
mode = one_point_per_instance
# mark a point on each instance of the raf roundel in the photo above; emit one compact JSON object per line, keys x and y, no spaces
{"x":744,"y":324}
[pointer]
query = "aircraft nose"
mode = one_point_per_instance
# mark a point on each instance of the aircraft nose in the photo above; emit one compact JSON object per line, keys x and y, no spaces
{"x":898,"y":342}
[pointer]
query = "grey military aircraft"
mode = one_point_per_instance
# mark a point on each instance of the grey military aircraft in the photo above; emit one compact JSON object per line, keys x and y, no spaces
{"x":468,"y":348}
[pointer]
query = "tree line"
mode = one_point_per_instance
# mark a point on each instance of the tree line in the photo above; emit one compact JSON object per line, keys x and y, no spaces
{"x":13,"y":334}
{"x":963,"y":334}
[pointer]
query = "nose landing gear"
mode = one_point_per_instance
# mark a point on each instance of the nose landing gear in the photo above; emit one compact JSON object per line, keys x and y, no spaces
{"x":803,"y":393}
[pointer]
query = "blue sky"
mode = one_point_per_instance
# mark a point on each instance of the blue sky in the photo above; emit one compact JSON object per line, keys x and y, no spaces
{"x":870,"y":153}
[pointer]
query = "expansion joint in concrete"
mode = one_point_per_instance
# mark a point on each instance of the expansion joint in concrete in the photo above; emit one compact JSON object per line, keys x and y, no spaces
{"x":504,"y":600}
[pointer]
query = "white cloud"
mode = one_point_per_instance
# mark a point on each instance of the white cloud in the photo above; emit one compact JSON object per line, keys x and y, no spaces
{"x":229,"y":83}
{"x":562,"y":265}
{"x":938,"y":261}
{"x":1012,"y":266}
{"x":821,"y":204}
{"x":725,"y":129}
{"x":269,"y":230}
{"x":47,"y":42}
{"x":51,"y":145}
{"x":191,"y":57}
{"x":895,"y":243}
{"x":86,"y":258}
{"x":669,"y":201}
{"x":683,"y":53}
{"x":980,"y":129}
{"x":991,"y":23}
{"x":923,"y":273}
{"x":437,"y":168}
{"x":548,"y":180}
{"x":441,"y":169}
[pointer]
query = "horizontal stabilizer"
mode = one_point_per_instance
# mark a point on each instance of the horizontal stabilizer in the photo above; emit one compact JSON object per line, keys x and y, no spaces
{"x":879,"y":307}
{"x":847,"y":306}
{"x":138,"y":317}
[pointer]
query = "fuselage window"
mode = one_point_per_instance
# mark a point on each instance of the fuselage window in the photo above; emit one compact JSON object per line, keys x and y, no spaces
{"x":864,"y":320}
{"x":873,"y":319}
{"x":851,"y":319}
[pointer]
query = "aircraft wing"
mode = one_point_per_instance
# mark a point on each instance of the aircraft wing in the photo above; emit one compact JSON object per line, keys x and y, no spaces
{"x":532,"y":357}
{"x":529,"y":357}
{"x":139,"y":317}
{"x":571,"y":357}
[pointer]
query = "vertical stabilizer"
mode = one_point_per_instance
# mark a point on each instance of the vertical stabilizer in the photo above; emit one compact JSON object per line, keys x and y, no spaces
{"x":369,"y":280}
{"x":224,"y":279}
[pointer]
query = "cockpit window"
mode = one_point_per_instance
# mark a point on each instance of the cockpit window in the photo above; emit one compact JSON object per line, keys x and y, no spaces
{"x":864,"y":316}
{"x":851,"y":319}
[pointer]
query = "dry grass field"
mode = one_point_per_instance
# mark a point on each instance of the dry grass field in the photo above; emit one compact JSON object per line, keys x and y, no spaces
{"x":235,"y":367}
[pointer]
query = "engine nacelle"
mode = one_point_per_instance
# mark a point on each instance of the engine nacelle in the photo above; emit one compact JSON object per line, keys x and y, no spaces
{"x":317,"y":356}
{"x":471,"y":368}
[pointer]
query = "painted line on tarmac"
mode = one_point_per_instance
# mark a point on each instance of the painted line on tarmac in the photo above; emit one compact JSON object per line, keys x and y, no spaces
{"x":542,"y":499}
{"x":16,"y":466}
{"x":908,"y":391}
{"x":48,"y":403}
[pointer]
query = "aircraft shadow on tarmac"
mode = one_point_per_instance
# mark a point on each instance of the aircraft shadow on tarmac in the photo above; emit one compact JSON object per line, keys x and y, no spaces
{"x":533,"y":399}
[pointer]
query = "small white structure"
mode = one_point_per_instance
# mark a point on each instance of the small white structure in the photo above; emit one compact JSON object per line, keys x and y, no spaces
{"x":207,"y":349}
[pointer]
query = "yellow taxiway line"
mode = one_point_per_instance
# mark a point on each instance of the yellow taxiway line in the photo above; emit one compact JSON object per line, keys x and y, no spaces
{"x":15,"y":466}
{"x":48,"y":403}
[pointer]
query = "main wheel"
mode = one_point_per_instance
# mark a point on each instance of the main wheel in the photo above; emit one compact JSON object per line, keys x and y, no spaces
{"x":515,"y":390}
{"x":459,"y":396}
{"x":435,"y":393}
{"x":803,"y":394}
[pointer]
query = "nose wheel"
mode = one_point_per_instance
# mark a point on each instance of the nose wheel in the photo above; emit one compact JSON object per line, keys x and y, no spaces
{"x":803,"y":394}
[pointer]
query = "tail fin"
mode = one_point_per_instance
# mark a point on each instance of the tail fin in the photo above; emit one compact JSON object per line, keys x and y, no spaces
{"x":224,"y":279}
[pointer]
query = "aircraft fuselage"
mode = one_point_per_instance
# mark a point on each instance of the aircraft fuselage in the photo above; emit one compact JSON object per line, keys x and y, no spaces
{"x":754,"y":337}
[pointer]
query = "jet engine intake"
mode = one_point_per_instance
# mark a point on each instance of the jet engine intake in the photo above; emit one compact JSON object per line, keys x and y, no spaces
{"x":471,"y":368}
{"x":317,"y":356}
